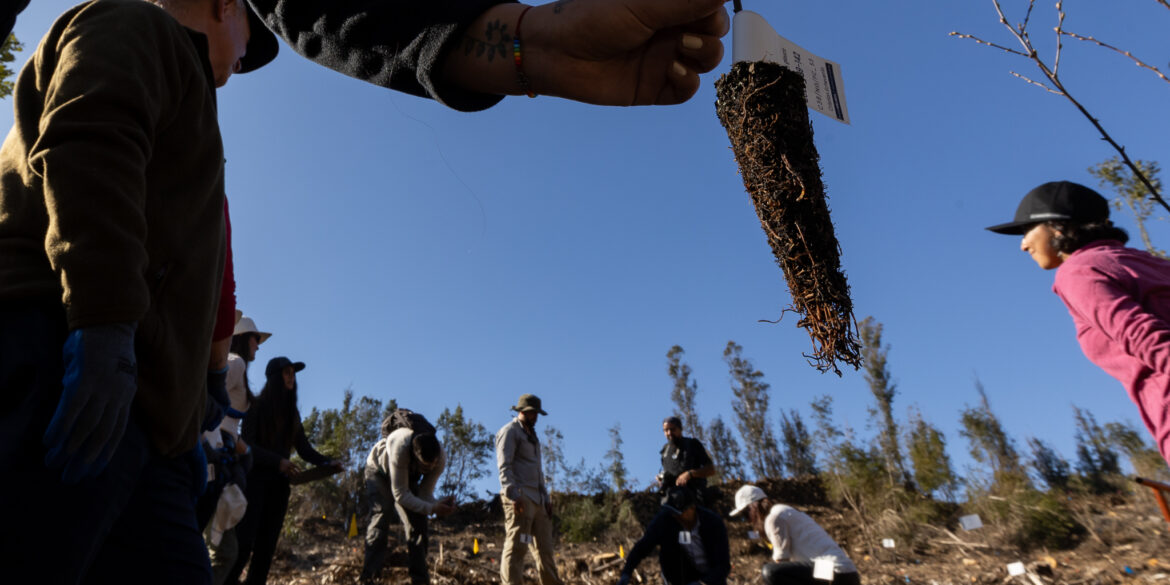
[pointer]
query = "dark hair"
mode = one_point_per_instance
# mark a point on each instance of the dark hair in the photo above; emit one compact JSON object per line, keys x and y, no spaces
{"x":679,"y":499}
{"x":275,"y":414}
{"x":673,"y":420}
{"x":426,"y":448}
{"x":1073,"y":236}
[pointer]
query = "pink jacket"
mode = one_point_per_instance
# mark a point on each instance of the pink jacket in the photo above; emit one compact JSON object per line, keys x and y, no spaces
{"x":1119,"y":299}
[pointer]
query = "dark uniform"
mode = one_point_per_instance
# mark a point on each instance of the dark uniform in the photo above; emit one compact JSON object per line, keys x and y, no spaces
{"x":687,"y":455}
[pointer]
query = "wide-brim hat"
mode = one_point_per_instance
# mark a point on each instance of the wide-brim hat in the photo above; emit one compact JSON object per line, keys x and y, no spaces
{"x":247,"y":325}
{"x":1055,"y":201}
{"x":262,"y":44}
{"x":746,"y":496}
{"x":277,"y":364}
{"x":529,"y":402}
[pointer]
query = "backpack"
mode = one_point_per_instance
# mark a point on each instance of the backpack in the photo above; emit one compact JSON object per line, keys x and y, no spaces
{"x":407,"y":419}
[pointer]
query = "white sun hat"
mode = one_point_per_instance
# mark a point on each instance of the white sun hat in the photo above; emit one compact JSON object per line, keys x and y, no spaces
{"x":247,"y":325}
{"x":746,"y":496}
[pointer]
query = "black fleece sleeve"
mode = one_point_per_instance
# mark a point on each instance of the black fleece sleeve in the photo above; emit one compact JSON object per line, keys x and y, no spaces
{"x":397,"y":44}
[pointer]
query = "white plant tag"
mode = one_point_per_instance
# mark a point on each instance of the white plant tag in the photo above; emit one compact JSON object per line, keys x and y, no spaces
{"x":823,"y":568}
{"x":888,"y":542}
{"x":1016,"y":569}
{"x":526,"y":538}
{"x":684,"y":537}
{"x":971,"y":522}
{"x":824,"y":88}
{"x":753,"y":535}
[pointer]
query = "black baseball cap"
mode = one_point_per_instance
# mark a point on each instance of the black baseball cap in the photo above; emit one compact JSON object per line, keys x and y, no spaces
{"x":1058,"y":200}
{"x":277,"y":364}
{"x":262,"y":45}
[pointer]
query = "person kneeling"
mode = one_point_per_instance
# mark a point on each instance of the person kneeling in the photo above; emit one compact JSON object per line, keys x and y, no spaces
{"x":692,"y":543}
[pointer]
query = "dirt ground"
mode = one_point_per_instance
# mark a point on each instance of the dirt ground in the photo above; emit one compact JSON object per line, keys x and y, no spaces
{"x":1127,"y":541}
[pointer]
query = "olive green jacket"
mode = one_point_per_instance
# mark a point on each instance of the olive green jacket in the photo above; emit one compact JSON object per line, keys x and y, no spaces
{"x":112,"y":198}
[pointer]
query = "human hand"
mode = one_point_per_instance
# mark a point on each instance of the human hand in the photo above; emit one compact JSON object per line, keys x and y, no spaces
{"x":548,"y":508}
{"x":444,"y":507}
{"x":98,"y":387}
{"x":289,"y":468}
{"x":623,"y":52}
{"x":683,"y":478}
{"x":241,"y":446}
{"x":336,"y":464}
{"x":518,"y":507}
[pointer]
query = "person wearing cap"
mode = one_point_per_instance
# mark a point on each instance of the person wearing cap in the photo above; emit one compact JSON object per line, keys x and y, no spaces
{"x":230,"y":454}
{"x":799,"y":544}
{"x":112,"y":245}
{"x":527,"y":506}
{"x":402,"y":470}
{"x":273,"y":429}
{"x":1119,"y":297}
{"x":691,"y":541}
{"x":685,"y":461}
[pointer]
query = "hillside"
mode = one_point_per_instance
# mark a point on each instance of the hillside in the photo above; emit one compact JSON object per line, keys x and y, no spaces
{"x":1125,"y":541}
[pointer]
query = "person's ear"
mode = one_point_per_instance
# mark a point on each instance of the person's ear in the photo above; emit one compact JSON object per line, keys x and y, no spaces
{"x":220,"y":8}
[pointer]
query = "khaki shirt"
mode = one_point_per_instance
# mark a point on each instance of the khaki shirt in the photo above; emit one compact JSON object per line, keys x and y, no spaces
{"x":391,"y":458}
{"x":518,"y":457}
{"x":112,"y":199}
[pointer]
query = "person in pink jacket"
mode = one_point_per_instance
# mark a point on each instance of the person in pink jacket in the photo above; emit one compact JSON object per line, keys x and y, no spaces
{"x":1119,"y":297}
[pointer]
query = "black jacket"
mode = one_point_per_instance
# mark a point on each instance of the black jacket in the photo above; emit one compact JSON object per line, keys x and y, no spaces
{"x":677,"y":566}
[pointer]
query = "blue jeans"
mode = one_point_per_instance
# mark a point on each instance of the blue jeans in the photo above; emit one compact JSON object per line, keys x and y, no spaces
{"x":133,"y":523}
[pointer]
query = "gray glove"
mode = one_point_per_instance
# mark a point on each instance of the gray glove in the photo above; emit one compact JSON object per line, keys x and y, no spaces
{"x":99,"y":383}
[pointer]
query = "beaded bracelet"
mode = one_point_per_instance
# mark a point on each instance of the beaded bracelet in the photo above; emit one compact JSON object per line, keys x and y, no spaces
{"x":521,"y":77}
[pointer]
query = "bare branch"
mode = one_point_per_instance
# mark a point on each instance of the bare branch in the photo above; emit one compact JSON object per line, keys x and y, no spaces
{"x":1059,"y":37}
{"x":1165,"y":3}
{"x":1138,"y":62}
{"x":1037,"y":83}
{"x":1028,"y":16}
{"x":989,"y":44}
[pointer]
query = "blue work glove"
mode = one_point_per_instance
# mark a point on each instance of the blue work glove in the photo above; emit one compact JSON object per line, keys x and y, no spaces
{"x":218,"y":402}
{"x":101,"y":376}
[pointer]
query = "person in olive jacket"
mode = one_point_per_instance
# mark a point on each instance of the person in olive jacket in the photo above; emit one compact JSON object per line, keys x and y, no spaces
{"x":112,"y":252}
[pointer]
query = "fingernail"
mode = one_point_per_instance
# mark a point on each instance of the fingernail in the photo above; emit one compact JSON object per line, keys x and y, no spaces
{"x":679,"y":69}
{"x":692,"y":42}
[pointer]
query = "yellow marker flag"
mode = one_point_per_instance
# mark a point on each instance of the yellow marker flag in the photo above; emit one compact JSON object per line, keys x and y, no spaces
{"x":621,"y":551}
{"x":353,"y":526}
{"x":475,"y":546}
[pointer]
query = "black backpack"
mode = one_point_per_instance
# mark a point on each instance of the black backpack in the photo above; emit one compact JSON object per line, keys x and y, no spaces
{"x":407,"y":419}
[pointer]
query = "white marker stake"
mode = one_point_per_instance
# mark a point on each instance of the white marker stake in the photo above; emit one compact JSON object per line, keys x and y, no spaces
{"x":1016,"y":569}
{"x":684,"y":538}
{"x":888,"y":542}
{"x":824,"y":88}
{"x":971,"y":522}
{"x":823,"y":568}
{"x":753,"y":535}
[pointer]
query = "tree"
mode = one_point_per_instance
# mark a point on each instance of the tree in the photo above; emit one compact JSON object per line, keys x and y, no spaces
{"x":989,"y":444}
{"x":8,"y":51}
{"x":724,"y":451}
{"x":1049,"y":465}
{"x":1053,"y":83}
{"x":1097,"y":462}
{"x":346,"y":434}
{"x":552,"y":454}
{"x":615,"y":460}
{"x":751,"y":410}
{"x":683,"y":392}
{"x":469,"y":448}
{"x":1132,"y":194}
{"x":927,"y":448}
{"x":579,"y":478}
{"x":1144,"y":458}
{"x":877,"y":375}
{"x":798,"y":456}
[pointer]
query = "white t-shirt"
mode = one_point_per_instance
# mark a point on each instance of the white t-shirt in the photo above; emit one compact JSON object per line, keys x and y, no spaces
{"x":796,"y":537}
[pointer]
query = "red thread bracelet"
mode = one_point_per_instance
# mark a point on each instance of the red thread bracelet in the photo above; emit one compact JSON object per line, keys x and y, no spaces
{"x":521,"y":77}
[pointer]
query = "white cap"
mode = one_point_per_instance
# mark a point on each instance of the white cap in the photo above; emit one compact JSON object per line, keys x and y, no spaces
{"x":247,"y":325}
{"x":746,"y":496}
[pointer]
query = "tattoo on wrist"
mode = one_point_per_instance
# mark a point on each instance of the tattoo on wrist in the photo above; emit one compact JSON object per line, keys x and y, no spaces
{"x":559,"y":5}
{"x":495,"y":42}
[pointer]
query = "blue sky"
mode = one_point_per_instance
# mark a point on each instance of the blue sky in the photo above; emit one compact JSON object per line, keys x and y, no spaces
{"x":408,"y":251}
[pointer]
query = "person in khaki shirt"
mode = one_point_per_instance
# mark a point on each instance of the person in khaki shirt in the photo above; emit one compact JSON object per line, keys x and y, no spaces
{"x":527,"y":506}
